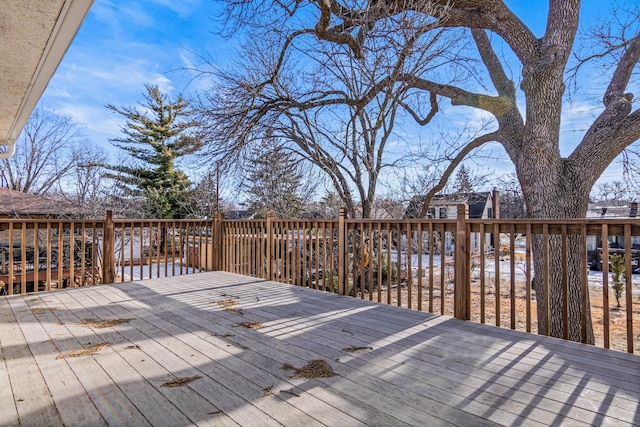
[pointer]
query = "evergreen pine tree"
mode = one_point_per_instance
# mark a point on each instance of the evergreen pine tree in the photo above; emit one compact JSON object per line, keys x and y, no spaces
{"x":618,"y":269}
{"x":156,"y":138}
{"x":463,"y":181}
{"x":274,"y":181}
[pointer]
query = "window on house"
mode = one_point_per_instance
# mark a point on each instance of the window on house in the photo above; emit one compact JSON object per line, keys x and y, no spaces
{"x":443,"y":212}
{"x":431,"y":213}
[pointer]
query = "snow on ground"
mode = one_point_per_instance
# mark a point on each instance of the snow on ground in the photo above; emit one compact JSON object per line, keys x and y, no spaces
{"x":142,"y":272}
{"x":595,"y":277}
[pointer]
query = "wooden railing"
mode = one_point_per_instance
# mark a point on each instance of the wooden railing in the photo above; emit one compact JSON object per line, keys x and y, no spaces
{"x":39,"y":254}
{"x":144,"y":249}
{"x":473,"y":269}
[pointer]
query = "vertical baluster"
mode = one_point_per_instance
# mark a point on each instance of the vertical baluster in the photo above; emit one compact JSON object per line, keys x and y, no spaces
{"x":545,"y":275}
{"x":512,"y":267}
{"x":443,"y":258}
{"x":605,"y":284}
{"x":36,"y":258}
{"x":72,"y":254}
{"x":496,"y":239}
{"x":11,"y":259}
{"x":481,"y":251}
{"x":419,"y":237}
{"x":432,"y":246}
{"x":565,"y":283}
{"x":399,"y":263}
{"x":528,"y":277}
{"x":60,"y":265}
{"x":628,"y":285}
{"x":584,"y":265}
{"x":370,"y":248}
{"x":48,"y":240}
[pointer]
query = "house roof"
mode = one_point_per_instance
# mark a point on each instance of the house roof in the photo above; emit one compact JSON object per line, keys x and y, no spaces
{"x":612,"y":209}
{"x":16,"y":204}
{"x":35,"y":36}
{"x":477,"y":202}
{"x":237,"y":214}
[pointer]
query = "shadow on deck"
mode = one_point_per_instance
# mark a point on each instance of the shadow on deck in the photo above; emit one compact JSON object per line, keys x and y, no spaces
{"x":394,"y":366}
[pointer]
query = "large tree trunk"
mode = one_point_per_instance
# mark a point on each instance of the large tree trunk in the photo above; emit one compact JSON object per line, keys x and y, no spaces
{"x":566,"y":200}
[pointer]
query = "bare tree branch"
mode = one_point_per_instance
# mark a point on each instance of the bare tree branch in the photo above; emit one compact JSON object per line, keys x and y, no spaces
{"x":476,"y":143}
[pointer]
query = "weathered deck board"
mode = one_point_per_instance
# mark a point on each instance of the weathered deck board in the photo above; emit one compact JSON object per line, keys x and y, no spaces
{"x":8,"y":410}
{"x":412,"y":368}
{"x":72,"y":402}
{"x":161,"y":351}
{"x":249,"y":371}
{"x":31,"y":395}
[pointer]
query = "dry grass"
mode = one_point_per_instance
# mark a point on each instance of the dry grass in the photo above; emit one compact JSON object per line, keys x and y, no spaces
{"x":250,"y":325}
{"x":87,"y":351}
{"x":316,"y":368}
{"x":354,"y":349}
{"x":179,"y":382}
{"x":103,"y":323}
{"x":215,"y":334}
{"x":226,"y":303}
{"x":267,"y":391}
{"x":229,"y":305}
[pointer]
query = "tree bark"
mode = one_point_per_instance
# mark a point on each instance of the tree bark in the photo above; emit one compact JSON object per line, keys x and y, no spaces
{"x":566,"y":264}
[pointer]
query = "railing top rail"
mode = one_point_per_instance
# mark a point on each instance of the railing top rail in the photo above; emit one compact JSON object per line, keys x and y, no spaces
{"x":162,"y":221}
{"x":401,"y":221}
{"x":280,"y":220}
{"x":578,"y":221}
{"x":44,"y":220}
{"x":305,"y":220}
{"x":524,"y":221}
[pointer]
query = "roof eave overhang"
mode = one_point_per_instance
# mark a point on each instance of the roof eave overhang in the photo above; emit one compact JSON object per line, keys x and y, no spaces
{"x":64,"y":30}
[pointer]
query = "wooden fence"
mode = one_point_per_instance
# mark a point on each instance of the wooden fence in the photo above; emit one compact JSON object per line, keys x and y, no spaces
{"x":473,"y":269}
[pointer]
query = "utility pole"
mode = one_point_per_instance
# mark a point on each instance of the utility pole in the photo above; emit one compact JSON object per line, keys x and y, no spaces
{"x":217,"y":187}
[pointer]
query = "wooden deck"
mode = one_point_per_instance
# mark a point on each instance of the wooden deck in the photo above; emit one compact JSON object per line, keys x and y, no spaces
{"x":394,"y":366}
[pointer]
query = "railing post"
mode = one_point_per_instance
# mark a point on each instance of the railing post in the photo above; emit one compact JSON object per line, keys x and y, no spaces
{"x":462,"y":284}
{"x":108,"y":250}
{"x":217,"y":241}
{"x":269,"y":241}
{"x":342,"y":236}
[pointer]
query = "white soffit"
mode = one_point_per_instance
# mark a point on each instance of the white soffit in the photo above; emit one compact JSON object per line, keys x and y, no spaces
{"x":34,"y":36}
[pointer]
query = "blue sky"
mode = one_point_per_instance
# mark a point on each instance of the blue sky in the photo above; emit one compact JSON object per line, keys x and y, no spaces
{"x":123,"y":44}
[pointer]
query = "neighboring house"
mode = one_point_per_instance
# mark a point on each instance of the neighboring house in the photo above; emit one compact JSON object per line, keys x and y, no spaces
{"x":16,"y":204}
{"x":29,"y":248}
{"x":482,"y":205}
{"x":238,"y":214}
{"x":383,"y":209}
{"x":612,"y":209}
{"x":445,"y":206}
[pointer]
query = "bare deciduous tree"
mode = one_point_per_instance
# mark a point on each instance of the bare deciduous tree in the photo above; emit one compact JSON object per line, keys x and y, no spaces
{"x":334,"y":110}
{"x":46,"y":152}
{"x":87,"y":187}
{"x":554,"y":186}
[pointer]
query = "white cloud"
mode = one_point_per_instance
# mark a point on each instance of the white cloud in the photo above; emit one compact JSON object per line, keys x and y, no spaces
{"x":183,"y":8}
